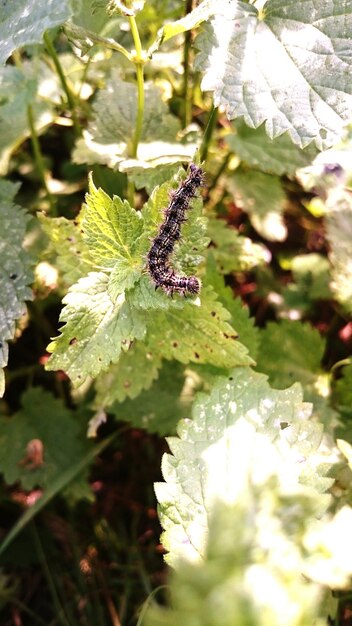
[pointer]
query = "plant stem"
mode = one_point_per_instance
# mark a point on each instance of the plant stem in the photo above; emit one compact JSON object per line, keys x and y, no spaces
{"x":138,"y":60}
{"x":71,"y":101}
{"x":203,"y":152}
{"x":186,"y":91}
{"x":38,"y":158}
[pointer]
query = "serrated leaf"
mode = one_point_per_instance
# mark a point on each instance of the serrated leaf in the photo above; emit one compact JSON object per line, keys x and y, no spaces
{"x":73,"y":258}
{"x":110,"y":134}
{"x":135,"y":371}
{"x":339,"y":234}
{"x":24,"y":22}
{"x":199,"y":332}
{"x":161,"y":416}
{"x":113,"y":232}
{"x":274,"y":156}
{"x":262,"y":197}
{"x":307,"y":92}
{"x":241,"y":434}
{"x":15,"y":272}
{"x":151,"y":177}
{"x":18,"y":90}
{"x":292,"y":352}
{"x":45,"y":422}
{"x":248,"y":333}
{"x":96,"y":329}
{"x":233,"y":252}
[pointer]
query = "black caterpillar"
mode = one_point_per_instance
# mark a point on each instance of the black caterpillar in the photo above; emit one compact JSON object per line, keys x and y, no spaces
{"x":163,"y":244}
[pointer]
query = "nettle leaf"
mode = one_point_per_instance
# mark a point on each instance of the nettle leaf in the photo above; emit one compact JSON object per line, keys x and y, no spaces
{"x":344,"y":388}
{"x":174,"y":400}
{"x":18,"y":90}
{"x":262,"y":197}
{"x":110,"y":134}
{"x":233,"y":252}
{"x":40,"y":442}
{"x":24,"y":22}
{"x":339,"y":234}
{"x":135,"y":371}
{"x":241,"y":435}
{"x":199,"y":332}
{"x":113,"y":232}
{"x":15,"y":272}
{"x":306,"y":92}
{"x":72,"y":254}
{"x":274,"y":156}
{"x":96,"y":329}
{"x":248,"y":333}
{"x":292,"y":352}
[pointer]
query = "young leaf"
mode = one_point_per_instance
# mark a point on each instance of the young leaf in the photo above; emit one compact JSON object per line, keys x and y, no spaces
{"x":24,"y":22}
{"x":15,"y":273}
{"x":40,"y":442}
{"x":96,"y":329}
{"x":306,"y":91}
{"x":113,"y":233}
{"x":197,"y":333}
{"x":274,"y":156}
{"x":262,"y":197}
{"x":241,"y":435}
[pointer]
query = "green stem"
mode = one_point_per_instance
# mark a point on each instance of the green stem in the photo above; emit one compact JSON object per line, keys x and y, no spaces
{"x":38,"y":158}
{"x":139,"y":63}
{"x":203,"y":152}
{"x":186,"y":91}
{"x":70,"y":96}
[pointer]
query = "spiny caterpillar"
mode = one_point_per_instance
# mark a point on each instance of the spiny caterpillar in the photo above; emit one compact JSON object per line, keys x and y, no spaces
{"x":159,"y":267}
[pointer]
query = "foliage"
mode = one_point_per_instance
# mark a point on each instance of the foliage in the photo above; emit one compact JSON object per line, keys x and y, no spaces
{"x":103,"y":106}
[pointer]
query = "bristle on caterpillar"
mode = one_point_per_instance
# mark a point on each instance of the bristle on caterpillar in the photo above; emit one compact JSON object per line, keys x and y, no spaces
{"x":159,"y":268}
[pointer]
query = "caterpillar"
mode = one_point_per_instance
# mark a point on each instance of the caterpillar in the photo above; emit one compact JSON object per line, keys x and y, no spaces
{"x":158,"y":258}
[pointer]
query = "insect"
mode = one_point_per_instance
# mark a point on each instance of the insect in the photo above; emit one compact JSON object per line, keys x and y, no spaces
{"x":158,"y":258}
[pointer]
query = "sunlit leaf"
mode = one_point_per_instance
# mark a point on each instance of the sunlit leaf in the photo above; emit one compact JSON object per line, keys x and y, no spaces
{"x":287,"y":64}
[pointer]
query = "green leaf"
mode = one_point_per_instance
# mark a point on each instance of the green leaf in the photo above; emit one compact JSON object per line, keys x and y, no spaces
{"x":311,"y":276}
{"x":306,"y":91}
{"x":262,"y":197}
{"x":56,"y":435}
{"x":72,"y":255}
{"x":135,"y":371}
{"x":159,"y":408}
{"x":24,"y":22}
{"x":199,"y":333}
{"x":302,"y":343}
{"x":110,"y":134}
{"x":339,"y":234}
{"x":96,"y":329}
{"x":15,"y":273}
{"x":18,"y":89}
{"x":292,"y":352}
{"x":240,"y":437}
{"x":248,"y":333}
{"x":275,"y":156}
{"x":201,"y":13}
{"x":233,"y":252}
{"x":113,"y":232}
